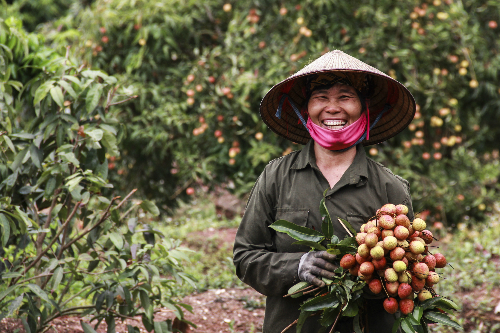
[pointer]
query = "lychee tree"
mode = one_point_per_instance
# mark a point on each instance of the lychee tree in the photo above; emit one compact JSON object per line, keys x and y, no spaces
{"x":201,"y":69}
{"x":68,"y":245}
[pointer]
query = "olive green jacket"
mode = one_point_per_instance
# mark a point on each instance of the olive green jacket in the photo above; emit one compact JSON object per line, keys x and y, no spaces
{"x":291,"y":188}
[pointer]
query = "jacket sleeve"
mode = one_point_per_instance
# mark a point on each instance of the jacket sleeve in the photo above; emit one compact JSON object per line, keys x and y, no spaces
{"x":257,"y":261}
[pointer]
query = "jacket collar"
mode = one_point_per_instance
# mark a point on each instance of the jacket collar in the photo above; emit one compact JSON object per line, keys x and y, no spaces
{"x":358,"y":168}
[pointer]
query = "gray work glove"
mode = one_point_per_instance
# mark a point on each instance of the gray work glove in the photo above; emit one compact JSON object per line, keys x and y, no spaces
{"x":315,"y":265}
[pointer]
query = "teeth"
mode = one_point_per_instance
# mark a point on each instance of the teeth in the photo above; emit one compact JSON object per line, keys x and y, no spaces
{"x":334,"y":122}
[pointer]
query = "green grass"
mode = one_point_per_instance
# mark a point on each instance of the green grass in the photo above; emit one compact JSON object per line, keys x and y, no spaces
{"x":210,"y":263}
{"x":474,"y":253}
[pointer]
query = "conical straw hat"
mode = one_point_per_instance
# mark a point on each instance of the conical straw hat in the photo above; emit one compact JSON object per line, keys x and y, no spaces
{"x":386,"y":90}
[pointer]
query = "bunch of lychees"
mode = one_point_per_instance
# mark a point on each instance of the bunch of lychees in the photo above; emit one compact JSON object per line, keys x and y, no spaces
{"x":393,"y":256}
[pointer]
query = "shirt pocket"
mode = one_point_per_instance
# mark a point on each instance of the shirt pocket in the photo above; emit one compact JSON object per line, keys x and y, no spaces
{"x":284,"y":242}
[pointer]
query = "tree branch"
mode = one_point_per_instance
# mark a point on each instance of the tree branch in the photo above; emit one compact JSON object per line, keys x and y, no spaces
{"x":37,"y":259}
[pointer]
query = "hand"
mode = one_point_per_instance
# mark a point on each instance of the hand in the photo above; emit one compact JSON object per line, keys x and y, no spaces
{"x":315,"y":265}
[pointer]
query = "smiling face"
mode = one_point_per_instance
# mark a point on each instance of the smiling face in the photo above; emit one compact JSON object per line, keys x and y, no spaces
{"x":335,"y":107}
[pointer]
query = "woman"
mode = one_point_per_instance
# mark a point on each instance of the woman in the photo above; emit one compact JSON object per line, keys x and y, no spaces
{"x":345,"y":103}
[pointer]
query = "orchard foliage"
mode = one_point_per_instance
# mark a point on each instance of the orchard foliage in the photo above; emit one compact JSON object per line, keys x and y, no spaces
{"x":201,"y":69}
{"x":68,"y":247}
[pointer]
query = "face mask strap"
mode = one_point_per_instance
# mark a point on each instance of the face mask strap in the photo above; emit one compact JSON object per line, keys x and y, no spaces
{"x":386,"y":108}
{"x":294,"y":107}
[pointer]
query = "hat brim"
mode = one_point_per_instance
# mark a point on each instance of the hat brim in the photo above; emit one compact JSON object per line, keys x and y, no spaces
{"x":386,"y":91}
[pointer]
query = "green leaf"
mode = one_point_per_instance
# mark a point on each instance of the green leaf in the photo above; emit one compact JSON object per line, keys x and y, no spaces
{"x":329,"y":316}
{"x":39,"y":292}
{"x":407,"y":326}
{"x":4,"y":223}
{"x":298,"y":286}
{"x":19,"y":159}
{"x":314,"y":245}
{"x":68,"y":88}
{"x":351,"y":309}
{"x":320,"y":303}
{"x":357,"y":328}
{"x":445,"y":302}
{"x":95,"y":133}
{"x":110,"y":320}
{"x":301,"y":320}
{"x":297,"y":232}
{"x":42,"y":91}
{"x":57,"y":95}
{"x":117,"y":240}
{"x":150,"y":207}
{"x":326,"y":225}
{"x":417,"y":313}
{"x":146,"y":303}
{"x":85,"y":257}
{"x":57,"y":277}
{"x":15,"y":304}
{"x":9,"y":143}
{"x":93,"y":96}
{"x":395,"y":326}
{"x":36,"y":156}
{"x":442,"y":318}
{"x":87,"y":328}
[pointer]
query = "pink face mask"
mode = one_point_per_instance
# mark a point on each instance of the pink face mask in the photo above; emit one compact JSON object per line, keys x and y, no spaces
{"x":338,"y":139}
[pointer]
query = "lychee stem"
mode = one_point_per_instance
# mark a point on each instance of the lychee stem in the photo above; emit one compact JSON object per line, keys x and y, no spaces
{"x":382,"y":282}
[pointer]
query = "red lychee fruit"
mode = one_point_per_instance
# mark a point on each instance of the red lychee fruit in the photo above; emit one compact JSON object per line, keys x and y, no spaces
{"x":421,"y":270}
{"x":397,"y":254}
{"x":347,"y":261}
{"x":416,"y":283}
{"x":401,"y":232}
{"x":360,"y":259}
{"x":430,"y":261}
{"x":426,"y":235}
{"x":440,"y":260}
{"x":366,"y":268}
{"x":360,"y":237}
{"x":386,"y":233}
{"x":402,"y":220}
{"x":392,"y":288}
{"x":406,"y":306}
{"x":379,"y":263}
{"x":371,"y":240}
{"x":401,"y":209}
{"x":391,"y":305}
{"x":375,"y":286}
{"x":432,"y":279}
{"x":389,"y":209}
{"x":404,"y":290}
{"x":386,"y":222}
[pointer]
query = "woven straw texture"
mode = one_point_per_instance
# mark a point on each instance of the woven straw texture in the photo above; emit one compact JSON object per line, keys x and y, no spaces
{"x":386,"y":90}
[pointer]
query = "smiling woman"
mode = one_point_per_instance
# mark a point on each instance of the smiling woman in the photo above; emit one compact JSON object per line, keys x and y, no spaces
{"x":340,"y":103}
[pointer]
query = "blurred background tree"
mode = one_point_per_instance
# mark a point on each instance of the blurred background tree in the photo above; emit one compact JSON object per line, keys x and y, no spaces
{"x":200,"y":70}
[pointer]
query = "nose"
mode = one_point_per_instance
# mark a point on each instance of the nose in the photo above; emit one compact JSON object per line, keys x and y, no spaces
{"x":332,"y":106}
